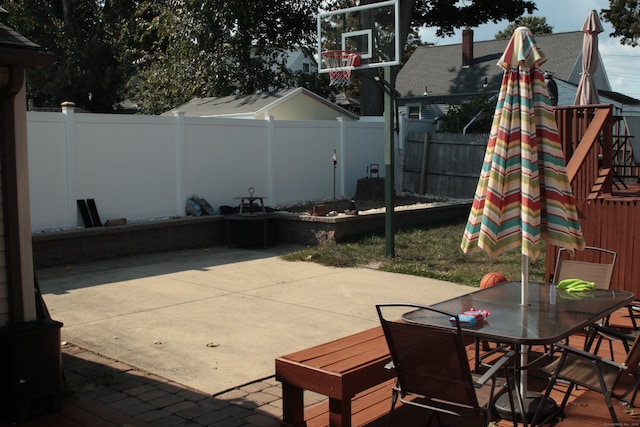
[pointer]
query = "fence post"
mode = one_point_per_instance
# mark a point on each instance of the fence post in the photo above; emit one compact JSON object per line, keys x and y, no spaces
{"x":423,"y":169}
{"x":341,"y":155}
{"x":68,"y":109}
{"x":181,"y":196}
{"x":269,"y":160}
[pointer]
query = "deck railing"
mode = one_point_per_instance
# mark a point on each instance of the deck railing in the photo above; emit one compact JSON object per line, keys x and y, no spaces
{"x":624,"y":162}
{"x":600,"y":163}
{"x":585,"y":133}
{"x":588,"y":124}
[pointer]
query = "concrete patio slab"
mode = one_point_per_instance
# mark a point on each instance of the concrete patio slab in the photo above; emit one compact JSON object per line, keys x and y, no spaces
{"x":212,"y":319}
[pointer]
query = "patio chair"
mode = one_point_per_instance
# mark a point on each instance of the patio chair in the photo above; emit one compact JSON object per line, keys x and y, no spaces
{"x":433,"y":371}
{"x":592,"y":264}
{"x":626,"y":336}
{"x":605,"y":376}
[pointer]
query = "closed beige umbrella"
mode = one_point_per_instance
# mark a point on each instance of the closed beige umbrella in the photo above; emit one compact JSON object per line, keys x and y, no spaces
{"x":587,"y":89}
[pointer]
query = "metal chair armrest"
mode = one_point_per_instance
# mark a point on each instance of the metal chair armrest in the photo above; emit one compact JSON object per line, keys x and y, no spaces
{"x":615,"y":332}
{"x":590,"y":356}
{"x":499,"y":364}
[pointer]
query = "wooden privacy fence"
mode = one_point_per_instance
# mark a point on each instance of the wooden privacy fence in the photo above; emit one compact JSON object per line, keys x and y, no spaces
{"x":443,"y":164}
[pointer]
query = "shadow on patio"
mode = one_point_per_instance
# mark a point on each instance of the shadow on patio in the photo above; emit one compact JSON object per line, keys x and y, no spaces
{"x":101,"y":392}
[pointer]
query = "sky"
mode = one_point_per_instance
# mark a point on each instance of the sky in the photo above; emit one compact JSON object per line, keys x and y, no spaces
{"x":622,"y":63}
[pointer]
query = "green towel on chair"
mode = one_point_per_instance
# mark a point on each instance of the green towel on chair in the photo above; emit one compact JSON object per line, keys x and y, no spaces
{"x":576,"y":285}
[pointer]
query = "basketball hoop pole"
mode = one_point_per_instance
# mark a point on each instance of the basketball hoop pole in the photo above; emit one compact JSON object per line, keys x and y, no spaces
{"x":389,"y":172}
{"x":390,"y":97}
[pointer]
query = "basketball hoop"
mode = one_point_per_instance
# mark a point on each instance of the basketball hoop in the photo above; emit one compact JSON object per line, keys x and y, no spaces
{"x":340,"y":63}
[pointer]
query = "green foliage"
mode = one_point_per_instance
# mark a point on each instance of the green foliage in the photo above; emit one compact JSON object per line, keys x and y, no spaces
{"x":164,"y":52}
{"x":460,"y":114}
{"x":84,"y":69}
{"x":447,"y":16}
{"x":624,"y":15}
{"x":537,"y":25}
{"x":217,"y":48}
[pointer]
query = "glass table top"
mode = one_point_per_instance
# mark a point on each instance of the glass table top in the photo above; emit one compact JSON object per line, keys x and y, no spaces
{"x":549,"y":317}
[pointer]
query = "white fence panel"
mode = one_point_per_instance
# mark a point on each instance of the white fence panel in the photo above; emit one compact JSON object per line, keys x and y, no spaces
{"x":144,"y":167}
{"x":224,"y":157}
{"x":302,"y":165}
{"x":127,"y":164}
{"x":365,"y":145}
{"x":47,"y":170}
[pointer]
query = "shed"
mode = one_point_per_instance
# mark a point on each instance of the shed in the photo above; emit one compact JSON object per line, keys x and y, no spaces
{"x":293,"y":104}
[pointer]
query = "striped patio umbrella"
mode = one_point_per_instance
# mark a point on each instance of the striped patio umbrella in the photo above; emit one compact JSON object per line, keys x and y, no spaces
{"x":523,"y":194}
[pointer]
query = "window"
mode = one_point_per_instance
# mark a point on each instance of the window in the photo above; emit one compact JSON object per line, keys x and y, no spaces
{"x":413,"y":111}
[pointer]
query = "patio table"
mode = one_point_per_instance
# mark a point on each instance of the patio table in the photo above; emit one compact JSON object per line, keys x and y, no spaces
{"x":548,"y":318}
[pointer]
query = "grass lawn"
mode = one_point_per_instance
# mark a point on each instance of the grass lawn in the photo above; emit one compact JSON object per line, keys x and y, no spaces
{"x":430,"y":252}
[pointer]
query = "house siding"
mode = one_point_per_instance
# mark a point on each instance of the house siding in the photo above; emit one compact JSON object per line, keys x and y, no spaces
{"x":302,"y":107}
{"x":4,"y":286}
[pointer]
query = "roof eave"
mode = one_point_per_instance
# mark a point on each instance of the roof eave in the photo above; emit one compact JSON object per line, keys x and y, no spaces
{"x":24,"y":57}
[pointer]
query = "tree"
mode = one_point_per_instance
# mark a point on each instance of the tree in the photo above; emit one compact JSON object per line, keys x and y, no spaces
{"x":161,"y":52}
{"x":537,"y":25}
{"x":217,"y":48}
{"x":624,"y":15}
{"x":447,"y":16}
{"x":168,"y":51}
{"x":84,"y":68}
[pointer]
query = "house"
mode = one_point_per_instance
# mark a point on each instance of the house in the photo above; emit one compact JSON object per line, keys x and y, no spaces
{"x":436,"y":76}
{"x":298,"y":60}
{"x":292,"y":104}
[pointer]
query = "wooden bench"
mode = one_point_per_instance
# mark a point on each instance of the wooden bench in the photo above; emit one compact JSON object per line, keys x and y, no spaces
{"x":339,"y":369}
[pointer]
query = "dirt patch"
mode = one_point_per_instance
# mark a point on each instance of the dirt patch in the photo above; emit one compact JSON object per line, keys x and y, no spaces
{"x":343,"y":205}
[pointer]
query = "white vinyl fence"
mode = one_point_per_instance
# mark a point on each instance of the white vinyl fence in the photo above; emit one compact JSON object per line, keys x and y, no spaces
{"x":145,"y":167}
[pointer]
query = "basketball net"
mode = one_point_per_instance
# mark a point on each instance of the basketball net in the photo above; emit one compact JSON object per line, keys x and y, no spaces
{"x":340,"y":63}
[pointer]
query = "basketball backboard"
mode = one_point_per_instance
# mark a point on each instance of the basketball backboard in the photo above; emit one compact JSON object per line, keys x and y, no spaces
{"x":371,"y":30}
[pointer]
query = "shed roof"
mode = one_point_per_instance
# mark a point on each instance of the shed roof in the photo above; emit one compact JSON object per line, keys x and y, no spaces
{"x":246,"y":105}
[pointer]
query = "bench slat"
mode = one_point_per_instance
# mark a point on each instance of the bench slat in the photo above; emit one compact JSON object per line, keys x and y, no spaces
{"x":336,"y":346}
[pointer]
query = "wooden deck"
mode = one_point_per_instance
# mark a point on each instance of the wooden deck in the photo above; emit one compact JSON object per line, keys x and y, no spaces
{"x":628,"y":191}
{"x":585,"y":408}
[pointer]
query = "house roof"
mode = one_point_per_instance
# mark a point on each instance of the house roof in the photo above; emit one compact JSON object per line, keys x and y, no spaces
{"x":17,"y":49}
{"x":11,"y":38}
{"x":439,"y":70}
{"x":249,"y":105}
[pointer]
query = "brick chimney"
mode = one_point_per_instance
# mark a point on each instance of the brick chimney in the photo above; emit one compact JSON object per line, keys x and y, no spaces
{"x":467,"y":47}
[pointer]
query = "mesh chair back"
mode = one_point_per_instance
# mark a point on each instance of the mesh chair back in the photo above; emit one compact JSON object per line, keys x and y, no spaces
{"x":431,"y":361}
{"x":593,"y":264}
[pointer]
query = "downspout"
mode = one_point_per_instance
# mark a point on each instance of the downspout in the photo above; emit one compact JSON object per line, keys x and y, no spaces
{"x":464,"y":130}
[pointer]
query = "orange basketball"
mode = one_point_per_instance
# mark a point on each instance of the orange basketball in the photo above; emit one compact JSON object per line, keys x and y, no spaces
{"x":491,"y":279}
